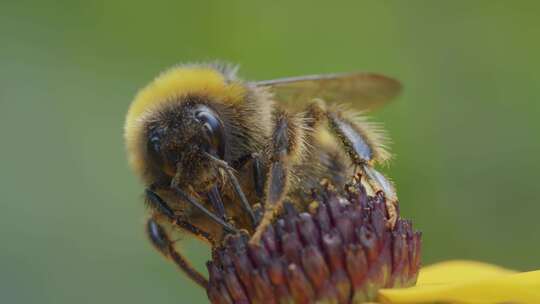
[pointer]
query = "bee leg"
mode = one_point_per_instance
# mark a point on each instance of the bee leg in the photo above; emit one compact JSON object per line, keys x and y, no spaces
{"x":162,"y":242}
{"x":381,"y":183}
{"x":215,"y":198}
{"x":255,"y":163}
{"x":258,"y":180}
{"x":361,"y":144}
{"x":158,"y":204}
{"x":187,"y":226}
{"x":236,"y":186}
{"x":238,"y":190}
{"x":193,"y":202}
{"x":285,"y":149}
{"x":258,"y":175}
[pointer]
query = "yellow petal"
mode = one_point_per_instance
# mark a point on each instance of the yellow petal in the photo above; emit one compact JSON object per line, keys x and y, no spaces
{"x":468,"y":282}
{"x":458,"y":271}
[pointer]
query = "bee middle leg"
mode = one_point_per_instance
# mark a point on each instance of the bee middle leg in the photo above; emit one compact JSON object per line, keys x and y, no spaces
{"x":364,"y":144}
{"x":161,"y":241}
{"x":284,"y":151}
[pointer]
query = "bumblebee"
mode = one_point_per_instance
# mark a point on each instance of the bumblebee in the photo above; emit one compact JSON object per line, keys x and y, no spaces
{"x":220,"y":155}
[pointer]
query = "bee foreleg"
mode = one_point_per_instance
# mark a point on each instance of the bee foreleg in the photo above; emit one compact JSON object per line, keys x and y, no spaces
{"x":193,"y":202}
{"x":162,"y":242}
{"x":236,"y":186}
{"x":217,"y":203}
{"x":160,"y":206}
{"x":285,"y":149}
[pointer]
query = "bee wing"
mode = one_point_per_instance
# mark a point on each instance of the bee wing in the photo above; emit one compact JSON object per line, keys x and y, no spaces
{"x":361,"y":90}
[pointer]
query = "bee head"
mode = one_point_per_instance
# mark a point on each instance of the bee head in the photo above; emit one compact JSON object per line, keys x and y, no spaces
{"x":179,"y":139}
{"x":186,"y":113}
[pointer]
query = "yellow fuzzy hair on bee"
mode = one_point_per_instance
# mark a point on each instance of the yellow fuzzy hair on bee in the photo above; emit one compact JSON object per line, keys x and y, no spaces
{"x":171,"y":86}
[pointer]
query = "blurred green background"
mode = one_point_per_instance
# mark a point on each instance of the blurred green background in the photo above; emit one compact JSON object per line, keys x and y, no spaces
{"x":465,"y":130}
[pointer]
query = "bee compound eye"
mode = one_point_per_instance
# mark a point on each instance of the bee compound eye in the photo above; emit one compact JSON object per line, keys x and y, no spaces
{"x":153,"y":146}
{"x":213,"y":129}
{"x":155,"y":142}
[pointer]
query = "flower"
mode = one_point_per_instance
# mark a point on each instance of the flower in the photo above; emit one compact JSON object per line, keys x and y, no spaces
{"x":341,"y":251}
